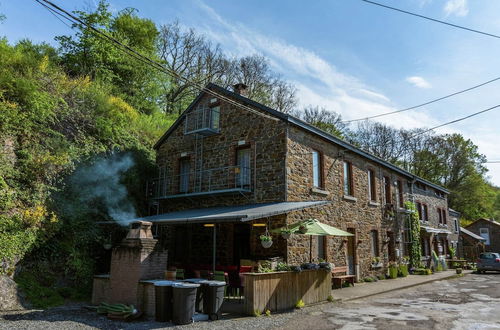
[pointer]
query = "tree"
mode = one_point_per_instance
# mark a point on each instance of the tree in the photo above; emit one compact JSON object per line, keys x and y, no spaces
{"x":87,"y":54}
{"x":328,"y":121}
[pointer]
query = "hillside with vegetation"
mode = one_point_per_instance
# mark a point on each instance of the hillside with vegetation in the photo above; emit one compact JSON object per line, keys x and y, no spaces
{"x":78,"y":122}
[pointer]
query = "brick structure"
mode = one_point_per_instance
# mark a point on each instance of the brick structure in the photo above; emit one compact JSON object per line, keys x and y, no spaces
{"x":138,"y":257}
{"x":488,"y":229}
{"x":367,"y":194}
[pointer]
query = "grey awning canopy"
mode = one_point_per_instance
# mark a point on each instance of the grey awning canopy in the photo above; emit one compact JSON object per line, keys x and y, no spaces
{"x":435,"y":230}
{"x":471,"y":234}
{"x":236,"y":213}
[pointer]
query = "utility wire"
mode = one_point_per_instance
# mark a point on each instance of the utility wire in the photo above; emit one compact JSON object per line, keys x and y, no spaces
{"x":433,"y":19}
{"x":142,"y":58}
{"x":423,"y":104}
{"x":454,"y":121}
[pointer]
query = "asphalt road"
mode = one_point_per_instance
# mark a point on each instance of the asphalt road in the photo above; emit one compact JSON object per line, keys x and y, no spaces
{"x":469,"y":302}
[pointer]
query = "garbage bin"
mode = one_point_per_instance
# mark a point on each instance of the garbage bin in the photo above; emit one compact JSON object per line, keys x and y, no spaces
{"x":199,"y":293}
{"x":213,"y":297}
{"x":163,"y":300}
{"x":184,"y":299}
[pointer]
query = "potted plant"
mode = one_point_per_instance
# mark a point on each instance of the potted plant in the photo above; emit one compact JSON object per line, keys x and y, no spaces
{"x":376,"y":263}
{"x":302,"y":229}
{"x":286,"y":233}
{"x":266,"y":241}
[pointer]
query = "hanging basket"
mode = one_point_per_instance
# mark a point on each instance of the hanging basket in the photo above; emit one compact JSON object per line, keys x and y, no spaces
{"x":266,"y":244}
{"x":286,"y":235}
{"x":302,"y":229}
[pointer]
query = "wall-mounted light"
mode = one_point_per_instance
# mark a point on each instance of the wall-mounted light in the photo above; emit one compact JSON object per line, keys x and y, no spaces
{"x":258,"y":224}
{"x":208,"y":225}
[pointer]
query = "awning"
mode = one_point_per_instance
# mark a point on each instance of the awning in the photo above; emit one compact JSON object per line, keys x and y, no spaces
{"x":471,"y":234}
{"x":435,"y":230}
{"x":236,"y":213}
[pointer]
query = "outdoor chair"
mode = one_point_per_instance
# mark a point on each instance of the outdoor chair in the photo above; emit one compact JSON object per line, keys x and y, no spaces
{"x":179,"y":274}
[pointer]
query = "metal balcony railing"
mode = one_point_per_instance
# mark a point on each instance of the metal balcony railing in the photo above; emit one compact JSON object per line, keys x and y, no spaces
{"x":229,"y":179}
{"x":203,"y":121}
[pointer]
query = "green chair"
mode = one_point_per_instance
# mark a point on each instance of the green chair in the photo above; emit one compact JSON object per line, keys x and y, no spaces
{"x":179,"y":274}
{"x":219,"y":275}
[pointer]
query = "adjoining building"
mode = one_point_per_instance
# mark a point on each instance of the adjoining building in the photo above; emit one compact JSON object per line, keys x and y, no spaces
{"x":489,"y":230}
{"x":471,"y":245}
{"x":236,"y":169}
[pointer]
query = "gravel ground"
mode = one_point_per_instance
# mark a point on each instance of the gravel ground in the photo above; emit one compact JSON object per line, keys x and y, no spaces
{"x":471,"y":302}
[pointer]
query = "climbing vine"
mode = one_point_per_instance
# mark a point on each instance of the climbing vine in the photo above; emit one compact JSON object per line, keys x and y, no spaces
{"x":414,"y":232}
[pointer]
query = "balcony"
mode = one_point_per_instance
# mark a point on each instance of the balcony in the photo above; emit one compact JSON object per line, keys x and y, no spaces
{"x":222,"y":180}
{"x":204,"y":121}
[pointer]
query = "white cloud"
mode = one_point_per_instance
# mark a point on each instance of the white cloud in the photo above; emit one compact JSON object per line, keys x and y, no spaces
{"x":456,"y":7}
{"x":418,"y":82}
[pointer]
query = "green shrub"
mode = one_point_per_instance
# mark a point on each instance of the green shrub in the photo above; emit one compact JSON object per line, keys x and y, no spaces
{"x":299,"y":304}
{"x":330,"y":298}
{"x":368,"y":279}
{"x":403,"y":270}
{"x":38,"y":295}
{"x":381,"y":277}
{"x":393,"y":271}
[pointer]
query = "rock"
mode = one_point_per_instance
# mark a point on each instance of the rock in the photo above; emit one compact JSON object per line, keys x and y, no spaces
{"x":10,"y":297}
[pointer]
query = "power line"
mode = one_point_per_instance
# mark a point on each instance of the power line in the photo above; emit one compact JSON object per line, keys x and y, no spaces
{"x":454,"y":121}
{"x":142,"y":58}
{"x":432,"y":19}
{"x":423,"y":104}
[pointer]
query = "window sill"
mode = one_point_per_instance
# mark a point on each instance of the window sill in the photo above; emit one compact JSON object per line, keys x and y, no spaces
{"x":371,"y":203}
{"x":350,"y":198}
{"x":319,"y":191}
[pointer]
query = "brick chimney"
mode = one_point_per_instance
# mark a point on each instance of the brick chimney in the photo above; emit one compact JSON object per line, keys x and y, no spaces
{"x":137,"y":257}
{"x":241,"y":89}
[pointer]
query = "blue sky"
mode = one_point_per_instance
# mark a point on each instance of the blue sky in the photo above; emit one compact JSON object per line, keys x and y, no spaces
{"x":348,"y":56}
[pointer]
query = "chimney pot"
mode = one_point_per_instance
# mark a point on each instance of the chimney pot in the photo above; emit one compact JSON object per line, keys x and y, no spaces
{"x":139,"y":230}
{"x":241,"y":89}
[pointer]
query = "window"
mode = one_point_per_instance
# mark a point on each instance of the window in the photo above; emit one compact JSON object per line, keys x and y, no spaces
{"x":485,"y":233}
{"x":243,"y":175}
{"x":440,"y":216}
{"x":372,"y":188}
{"x":456,"y":225}
{"x":445,"y":221}
{"x":425,"y":212}
{"x":215,"y":118}
{"x":321,"y":247}
{"x":348,"y":183}
{"x":419,"y":210}
{"x":317,"y":179}
{"x":184,"y":169}
{"x":401,"y":200}
{"x":387,"y":190}
{"x":374,"y":243}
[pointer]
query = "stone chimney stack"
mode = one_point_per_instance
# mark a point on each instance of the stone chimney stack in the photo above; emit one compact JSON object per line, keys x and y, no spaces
{"x":241,"y":89}
{"x":138,"y":257}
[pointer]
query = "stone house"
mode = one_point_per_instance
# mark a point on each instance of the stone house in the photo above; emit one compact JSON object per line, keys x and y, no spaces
{"x":233,"y":168}
{"x":489,"y":230}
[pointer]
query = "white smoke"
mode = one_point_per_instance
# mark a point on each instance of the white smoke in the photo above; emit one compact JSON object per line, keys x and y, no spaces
{"x":102,"y":181}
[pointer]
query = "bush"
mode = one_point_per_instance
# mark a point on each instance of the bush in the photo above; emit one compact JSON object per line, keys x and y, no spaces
{"x":381,"y":277}
{"x":368,"y":279}
{"x":393,"y":271}
{"x":299,"y":304}
{"x":403,"y":270}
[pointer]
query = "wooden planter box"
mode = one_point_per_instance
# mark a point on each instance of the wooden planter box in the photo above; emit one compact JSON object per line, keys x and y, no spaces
{"x":280,"y":291}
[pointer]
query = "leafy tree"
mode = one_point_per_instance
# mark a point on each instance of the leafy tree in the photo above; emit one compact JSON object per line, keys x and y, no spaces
{"x":87,"y":54}
{"x":328,"y":121}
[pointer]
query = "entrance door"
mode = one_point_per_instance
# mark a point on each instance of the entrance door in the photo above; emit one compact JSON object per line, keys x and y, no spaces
{"x":241,"y":243}
{"x":351,"y":251}
{"x":391,"y":247}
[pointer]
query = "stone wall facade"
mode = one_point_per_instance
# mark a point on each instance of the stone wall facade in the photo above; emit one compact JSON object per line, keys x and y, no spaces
{"x":282,"y":170}
{"x":356,"y":212}
{"x":493,"y":228}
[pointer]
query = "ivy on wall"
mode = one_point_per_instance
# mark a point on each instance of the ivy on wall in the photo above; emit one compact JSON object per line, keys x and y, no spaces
{"x":414,"y":233}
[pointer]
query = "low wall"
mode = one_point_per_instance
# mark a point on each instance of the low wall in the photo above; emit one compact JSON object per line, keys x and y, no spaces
{"x":280,"y":291}
{"x":101,"y":292}
{"x":101,"y":289}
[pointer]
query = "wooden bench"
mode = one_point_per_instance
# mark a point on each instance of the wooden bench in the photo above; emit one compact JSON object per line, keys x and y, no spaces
{"x":338,"y":280}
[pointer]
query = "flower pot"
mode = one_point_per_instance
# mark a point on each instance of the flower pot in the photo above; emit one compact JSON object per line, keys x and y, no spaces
{"x":286,"y":235}
{"x":266,"y":244}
